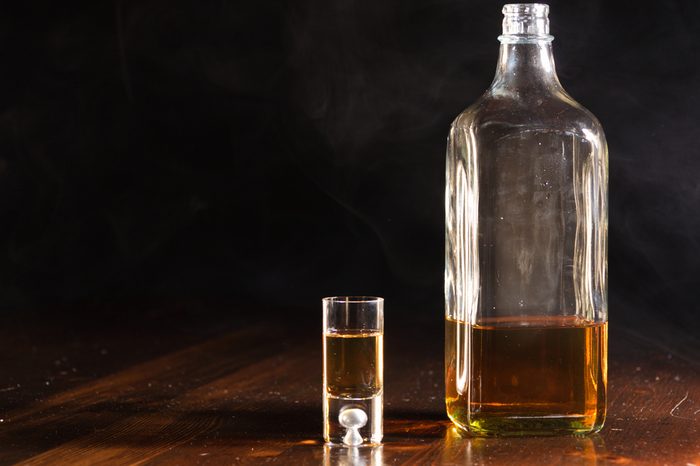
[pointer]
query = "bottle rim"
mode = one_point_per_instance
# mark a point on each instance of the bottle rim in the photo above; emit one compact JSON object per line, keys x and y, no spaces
{"x":537,"y":10}
{"x":525,"y":23}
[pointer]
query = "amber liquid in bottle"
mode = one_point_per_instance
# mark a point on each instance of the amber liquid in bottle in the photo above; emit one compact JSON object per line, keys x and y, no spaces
{"x":541,"y":375}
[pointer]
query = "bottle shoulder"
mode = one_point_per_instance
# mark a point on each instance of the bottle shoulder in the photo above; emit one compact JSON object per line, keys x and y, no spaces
{"x":554,"y":111}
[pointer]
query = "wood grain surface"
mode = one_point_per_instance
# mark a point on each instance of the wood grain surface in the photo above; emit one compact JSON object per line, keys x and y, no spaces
{"x":136,"y":393}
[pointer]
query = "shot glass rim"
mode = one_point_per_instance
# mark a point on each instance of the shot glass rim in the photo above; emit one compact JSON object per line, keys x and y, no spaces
{"x":353,"y":299}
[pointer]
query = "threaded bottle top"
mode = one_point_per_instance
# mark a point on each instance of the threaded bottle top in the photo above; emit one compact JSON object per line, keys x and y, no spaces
{"x":525,"y":22}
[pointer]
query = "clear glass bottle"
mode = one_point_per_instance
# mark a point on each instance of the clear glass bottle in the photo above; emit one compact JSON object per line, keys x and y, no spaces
{"x":526,"y":253}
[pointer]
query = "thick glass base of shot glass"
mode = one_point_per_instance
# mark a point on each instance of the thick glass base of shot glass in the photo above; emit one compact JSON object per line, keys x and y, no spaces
{"x":345,"y":425}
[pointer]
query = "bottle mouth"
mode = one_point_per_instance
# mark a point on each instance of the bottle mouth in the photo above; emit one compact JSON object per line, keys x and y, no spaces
{"x":525,"y":22}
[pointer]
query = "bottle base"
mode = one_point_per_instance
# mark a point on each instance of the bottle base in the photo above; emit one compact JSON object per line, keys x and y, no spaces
{"x":525,"y":426}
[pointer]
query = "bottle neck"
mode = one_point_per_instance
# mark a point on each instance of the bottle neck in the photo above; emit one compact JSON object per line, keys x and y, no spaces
{"x":526,"y":64}
{"x":526,"y":61}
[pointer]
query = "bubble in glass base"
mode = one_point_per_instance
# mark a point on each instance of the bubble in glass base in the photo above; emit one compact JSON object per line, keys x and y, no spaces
{"x":352,"y":421}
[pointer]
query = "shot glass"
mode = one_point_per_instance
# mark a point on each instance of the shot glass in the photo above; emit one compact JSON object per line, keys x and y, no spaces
{"x":353,"y":369}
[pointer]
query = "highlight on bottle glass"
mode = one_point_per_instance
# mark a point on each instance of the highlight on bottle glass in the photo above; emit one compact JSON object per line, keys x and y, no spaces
{"x":353,"y":369}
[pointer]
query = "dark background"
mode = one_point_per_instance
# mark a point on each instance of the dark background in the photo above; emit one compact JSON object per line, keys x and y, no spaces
{"x":271,"y":153}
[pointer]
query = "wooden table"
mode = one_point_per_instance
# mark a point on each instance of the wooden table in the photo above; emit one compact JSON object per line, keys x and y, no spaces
{"x":118,"y":391}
